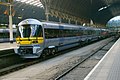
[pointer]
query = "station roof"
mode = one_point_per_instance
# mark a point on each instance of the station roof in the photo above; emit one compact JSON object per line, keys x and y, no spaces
{"x":100,"y":11}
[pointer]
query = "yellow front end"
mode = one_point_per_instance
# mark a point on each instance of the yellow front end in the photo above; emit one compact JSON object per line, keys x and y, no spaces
{"x":31,"y":40}
{"x":29,"y":47}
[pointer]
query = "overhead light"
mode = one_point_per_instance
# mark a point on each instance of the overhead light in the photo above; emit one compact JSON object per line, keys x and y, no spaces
{"x":102,"y":8}
{"x":36,"y":3}
{"x":23,"y":9}
{"x":19,"y":17}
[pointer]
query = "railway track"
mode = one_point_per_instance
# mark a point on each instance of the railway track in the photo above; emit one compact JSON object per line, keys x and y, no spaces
{"x":59,"y":77}
{"x":22,"y":63}
{"x":25,"y":63}
{"x":18,"y":66}
{"x":5,"y":53}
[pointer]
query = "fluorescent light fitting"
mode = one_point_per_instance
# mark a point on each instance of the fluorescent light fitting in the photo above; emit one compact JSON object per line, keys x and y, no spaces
{"x":103,"y":8}
{"x":36,"y":3}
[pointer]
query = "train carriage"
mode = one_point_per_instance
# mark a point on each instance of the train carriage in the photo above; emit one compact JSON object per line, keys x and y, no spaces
{"x":4,"y":35}
{"x":35,"y":38}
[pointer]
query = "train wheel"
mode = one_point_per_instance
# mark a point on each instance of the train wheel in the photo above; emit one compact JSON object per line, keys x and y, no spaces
{"x":82,"y":43}
{"x":45,"y":52}
{"x":43,"y":55}
{"x":53,"y":51}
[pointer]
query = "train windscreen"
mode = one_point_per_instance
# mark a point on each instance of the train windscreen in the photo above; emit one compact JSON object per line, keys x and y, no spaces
{"x":29,"y":31}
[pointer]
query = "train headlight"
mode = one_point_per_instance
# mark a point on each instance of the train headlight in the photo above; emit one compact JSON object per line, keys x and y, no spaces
{"x":18,"y":42}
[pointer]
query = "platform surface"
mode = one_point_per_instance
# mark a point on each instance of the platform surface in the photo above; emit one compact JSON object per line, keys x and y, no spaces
{"x":108,"y":67}
{"x":6,"y":46}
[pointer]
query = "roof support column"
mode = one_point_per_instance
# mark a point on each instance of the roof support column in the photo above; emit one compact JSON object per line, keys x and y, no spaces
{"x":46,"y":4}
{"x":47,"y":12}
{"x":76,"y":22}
{"x":69,"y":21}
{"x":10,"y":24}
{"x":9,"y":4}
{"x":60,"y":20}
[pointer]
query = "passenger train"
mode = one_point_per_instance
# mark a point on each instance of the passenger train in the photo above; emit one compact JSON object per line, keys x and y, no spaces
{"x":35,"y":38}
{"x":4,"y":35}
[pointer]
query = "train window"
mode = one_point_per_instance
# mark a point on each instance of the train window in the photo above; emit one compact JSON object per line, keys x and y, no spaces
{"x":80,"y":32}
{"x":1,"y":35}
{"x":33,"y":30}
{"x":39,"y":32}
{"x":51,"y":33}
{"x":25,"y":31}
{"x":91,"y":32}
{"x":61,"y":33}
{"x":55,"y":33}
{"x":4,"y":35}
{"x":85,"y":32}
{"x":30,"y":31}
{"x":18,"y":33}
{"x":65,"y":33}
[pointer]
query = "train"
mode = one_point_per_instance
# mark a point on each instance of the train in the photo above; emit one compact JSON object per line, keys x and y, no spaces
{"x":35,"y":38}
{"x":4,"y":35}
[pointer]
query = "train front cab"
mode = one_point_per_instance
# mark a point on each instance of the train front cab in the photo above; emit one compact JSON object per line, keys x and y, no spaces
{"x":30,"y":39}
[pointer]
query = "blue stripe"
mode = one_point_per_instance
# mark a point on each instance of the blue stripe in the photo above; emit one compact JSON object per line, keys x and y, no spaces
{"x":61,"y":27}
{"x":67,"y":46}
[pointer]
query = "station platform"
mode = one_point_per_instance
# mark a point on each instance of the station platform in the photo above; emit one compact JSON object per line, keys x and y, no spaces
{"x":108,"y":68}
{"x":6,"y":46}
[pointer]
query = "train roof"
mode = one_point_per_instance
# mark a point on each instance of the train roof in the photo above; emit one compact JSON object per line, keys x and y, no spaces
{"x":61,"y":25}
{"x":30,"y":21}
{"x":56,"y":25}
{"x":66,"y":26}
